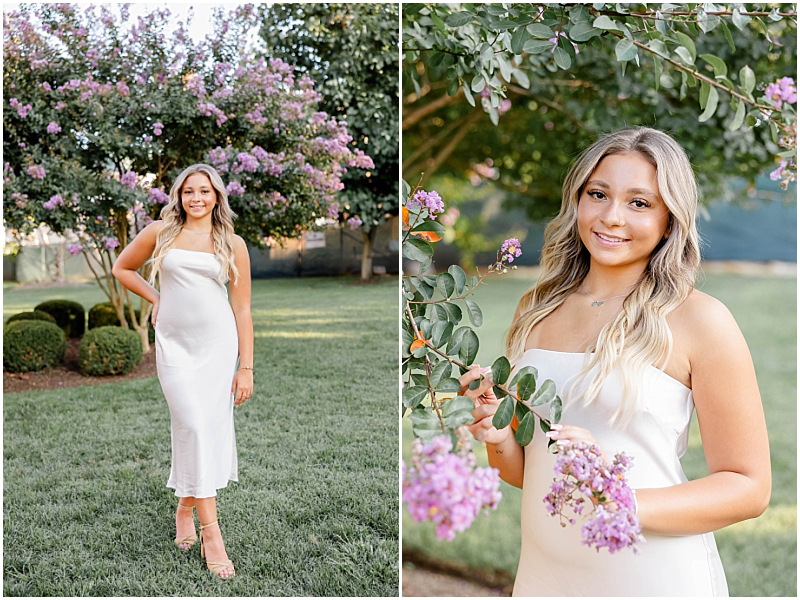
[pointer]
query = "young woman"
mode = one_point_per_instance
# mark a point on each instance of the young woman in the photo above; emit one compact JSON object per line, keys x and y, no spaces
{"x":614,"y":320}
{"x":199,"y":338}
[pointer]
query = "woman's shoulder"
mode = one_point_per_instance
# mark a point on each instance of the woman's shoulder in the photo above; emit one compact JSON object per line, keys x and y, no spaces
{"x":238,"y":243}
{"x":702,"y":321}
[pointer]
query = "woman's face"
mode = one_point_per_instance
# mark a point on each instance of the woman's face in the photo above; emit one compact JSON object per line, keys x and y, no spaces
{"x":198,"y":196}
{"x":621,"y":216}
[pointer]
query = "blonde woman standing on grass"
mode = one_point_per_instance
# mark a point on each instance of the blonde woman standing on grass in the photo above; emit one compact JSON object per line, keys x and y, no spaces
{"x":200,"y":336}
{"x":614,"y":320}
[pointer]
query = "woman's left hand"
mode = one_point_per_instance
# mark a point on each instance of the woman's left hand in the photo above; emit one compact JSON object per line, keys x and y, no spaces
{"x":242,"y":387}
{"x":570,"y":434}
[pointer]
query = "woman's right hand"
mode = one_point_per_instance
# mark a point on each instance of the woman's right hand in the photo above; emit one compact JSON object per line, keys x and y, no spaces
{"x":154,"y":314}
{"x":486,"y":403}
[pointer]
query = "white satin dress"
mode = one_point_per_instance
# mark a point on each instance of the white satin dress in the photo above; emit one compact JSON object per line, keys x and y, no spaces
{"x":553,"y":562}
{"x":197,"y":350}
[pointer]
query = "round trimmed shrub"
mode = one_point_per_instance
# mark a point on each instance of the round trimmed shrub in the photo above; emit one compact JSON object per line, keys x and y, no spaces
{"x":32,"y":346}
{"x":109,"y":350}
{"x":32,"y":315}
{"x":104,"y":314}
{"x":69,"y":315}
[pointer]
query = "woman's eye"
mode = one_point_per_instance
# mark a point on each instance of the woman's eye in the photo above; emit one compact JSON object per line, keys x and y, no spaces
{"x":640,"y":203}
{"x":597,"y":195}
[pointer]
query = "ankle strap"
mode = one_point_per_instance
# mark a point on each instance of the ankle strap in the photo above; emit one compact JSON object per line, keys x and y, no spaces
{"x":209,"y":525}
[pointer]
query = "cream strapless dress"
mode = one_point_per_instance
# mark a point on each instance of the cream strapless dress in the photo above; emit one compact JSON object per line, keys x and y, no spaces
{"x":553,"y":562}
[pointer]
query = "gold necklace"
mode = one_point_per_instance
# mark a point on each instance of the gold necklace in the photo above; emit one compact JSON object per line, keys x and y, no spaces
{"x":600,"y":302}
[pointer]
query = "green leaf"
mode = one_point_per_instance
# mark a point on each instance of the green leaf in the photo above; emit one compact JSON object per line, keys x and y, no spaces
{"x":661,"y":26}
{"x":499,"y":392}
{"x":502,"y":25}
{"x":437,"y":59}
{"x":453,"y":312}
{"x":429,"y":226}
{"x":501,"y":369}
{"x":451,"y":384}
{"x":526,"y":429}
{"x":747,"y":79}
{"x":685,"y":55}
{"x":658,"y":69}
{"x":455,"y":342}
{"x":458,"y":19}
{"x":478,"y":83}
{"x":521,"y":373}
{"x":705,"y":89}
{"x":408,"y":339}
{"x":413,"y":395}
{"x":406,"y":189}
{"x":446,"y":284}
{"x":687,"y":43}
{"x":773,"y":130}
{"x":521,"y":78}
{"x":658,"y":47}
{"x":424,"y":423}
{"x":739,"y":19}
{"x":441,"y":332}
{"x":412,"y":9}
{"x":520,"y":410}
{"x":705,"y":21}
{"x":538,"y":30}
{"x":537,"y":46}
{"x":605,"y":23}
{"x":518,"y":40}
{"x":416,"y":249}
{"x":579,"y":14}
{"x":738,"y":118}
{"x":727,"y":33}
{"x":425,"y":289}
{"x":543,"y":424}
{"x":469,"y":347}
{"x":583,"y":32}
{"x":555,"y":410}
{"x":468,"y":94}
{"x":525,"y":387}
{"x":562,"y":58}
{"x":505,"y":412}
{"x":474,"y":312}
{"x":719,"y":66}
{"x":458,"y":411}
{"x":625,"y":50}
{"x":440,"y":372}
{"x":545,"y":393}
{"x":452,"y":87}
{"x":459,"y":276}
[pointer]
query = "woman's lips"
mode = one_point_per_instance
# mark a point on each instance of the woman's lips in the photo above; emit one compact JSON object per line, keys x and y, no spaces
{"x":609,"y":241}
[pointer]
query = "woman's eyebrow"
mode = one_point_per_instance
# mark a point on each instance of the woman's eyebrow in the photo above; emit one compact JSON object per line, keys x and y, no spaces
{"x":640,"y":191}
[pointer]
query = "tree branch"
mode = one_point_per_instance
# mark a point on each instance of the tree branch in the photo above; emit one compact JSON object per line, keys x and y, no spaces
{"x":429,"y":108}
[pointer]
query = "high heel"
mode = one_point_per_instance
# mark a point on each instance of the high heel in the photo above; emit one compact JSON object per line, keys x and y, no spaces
{"x":216,"y":567}
{"x":189,"y":539}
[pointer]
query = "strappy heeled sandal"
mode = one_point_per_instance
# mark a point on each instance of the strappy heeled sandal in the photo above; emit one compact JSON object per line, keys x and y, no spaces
{"x":216,"y":567}
{"x":189,"y":539}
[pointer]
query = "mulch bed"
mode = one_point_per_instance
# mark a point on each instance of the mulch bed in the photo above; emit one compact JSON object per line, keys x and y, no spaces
{"x":67,"y":375}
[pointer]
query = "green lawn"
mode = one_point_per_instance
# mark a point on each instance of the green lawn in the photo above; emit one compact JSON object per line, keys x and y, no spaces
{"x":760,"y":555}
{"x":85,"y":507}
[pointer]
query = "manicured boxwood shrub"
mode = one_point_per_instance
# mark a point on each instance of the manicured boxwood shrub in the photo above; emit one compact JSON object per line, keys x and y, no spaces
{"x":109,"y":350}
{"x":32,"y":346}
{"x":104,"y":314}
{"x":32,"y":315}
{"x":69,"y":315}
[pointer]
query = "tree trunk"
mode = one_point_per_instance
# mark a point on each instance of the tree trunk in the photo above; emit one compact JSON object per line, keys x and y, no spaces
{"x":366,"y":253}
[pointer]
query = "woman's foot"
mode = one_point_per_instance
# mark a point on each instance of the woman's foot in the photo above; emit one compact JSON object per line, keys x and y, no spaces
{"x":213,"y":549}
{"x":185,"y":535}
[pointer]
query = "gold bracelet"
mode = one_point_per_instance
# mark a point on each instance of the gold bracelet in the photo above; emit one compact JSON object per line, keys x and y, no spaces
{"x":240,"y":368}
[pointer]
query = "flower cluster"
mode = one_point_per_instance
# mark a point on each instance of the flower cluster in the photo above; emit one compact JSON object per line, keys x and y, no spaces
{"x":783,"y":90}
{"x":446,"y":488}
{"x":37,"y":172}
{"x":129,"y":180}
{"x":74,"y":249}
{"x":158,"y":196}
{"x":354,"y":222}
{"x":430,"y":200}
{"x":53,"y":127}
{"x":53,"y":202}
{"x":583,"y":474}
{"x":157,"y":127}
{"x":510,"y":250}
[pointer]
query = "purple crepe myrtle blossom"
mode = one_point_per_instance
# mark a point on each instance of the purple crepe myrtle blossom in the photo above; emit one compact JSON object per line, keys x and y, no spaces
{"x":783,"y":90}
{"x":157,"y":129}
{"x":446,"y":488}
{"x":510,"y":250}
{"x":54,"y":201}
{"x":21,"y":200}
{"x":53,"y":127}
{"x":110,"y":242}
{"x":430,"y":200}
{"x":583,"y":475}
{"x":129,"y":180}
{"x":234,"y":188}
{"x":74,"y":249}
{"x":37,"y":172}
{"x":354,"y":222}
{"x":333,"y":210}
{"x":158,"y":196}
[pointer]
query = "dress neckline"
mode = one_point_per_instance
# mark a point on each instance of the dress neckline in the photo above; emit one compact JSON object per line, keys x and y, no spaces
{"x":194,"y":251}
{"x":683,"y":385}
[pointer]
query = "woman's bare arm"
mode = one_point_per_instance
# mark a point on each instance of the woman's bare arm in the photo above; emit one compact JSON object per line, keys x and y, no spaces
{"x":242,"y":386}
{"x":134,"y":256}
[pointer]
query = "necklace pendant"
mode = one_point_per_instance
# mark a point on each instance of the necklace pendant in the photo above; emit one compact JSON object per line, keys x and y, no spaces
{"x":597,"y":303}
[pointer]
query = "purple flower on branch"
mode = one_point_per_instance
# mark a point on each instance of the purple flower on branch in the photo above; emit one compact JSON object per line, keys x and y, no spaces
{"x":110,"y":242}
{"x":129,"y":180}
{"x":37,"y":172}
{"x":783,"y":90}
{"x":234,"y":188}
{"x":510,"y":250}
{"x":75,"y":249}
{"x":53,"y":127}
{"x":54,"y":201}
{"x":158,"y":196}
{"x":430,"y":200}
{"x":354,"y":222}
{"x":157,"y":128}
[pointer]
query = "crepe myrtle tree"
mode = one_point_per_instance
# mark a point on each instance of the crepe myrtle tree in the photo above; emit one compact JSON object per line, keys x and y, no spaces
{"x":526,"y":85}
{"x":101,"y":113}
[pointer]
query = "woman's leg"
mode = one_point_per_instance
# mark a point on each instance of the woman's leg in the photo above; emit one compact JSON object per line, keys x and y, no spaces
{"x":184,"y":521}
{"x":212,"y":536}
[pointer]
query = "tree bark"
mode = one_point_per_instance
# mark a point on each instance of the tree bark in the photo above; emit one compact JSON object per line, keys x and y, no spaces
{"x":367,"y":252}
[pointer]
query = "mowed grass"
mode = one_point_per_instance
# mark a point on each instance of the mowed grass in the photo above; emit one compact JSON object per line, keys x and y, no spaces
{"x":315,"y":512}
{"x":759,"y":555}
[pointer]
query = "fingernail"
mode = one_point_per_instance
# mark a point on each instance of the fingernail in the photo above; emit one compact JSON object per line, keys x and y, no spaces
{"x":556,"y":426}
{"x":486,"y":369}
{"x":551,"y":434}
{"x":562,"y":442}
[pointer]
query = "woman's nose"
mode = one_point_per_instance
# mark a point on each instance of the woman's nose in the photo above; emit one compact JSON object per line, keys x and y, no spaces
{"x":612,"y":214}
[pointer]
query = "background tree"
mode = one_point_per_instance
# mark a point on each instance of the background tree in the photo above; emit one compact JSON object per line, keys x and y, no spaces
{"x":101,"y":114}
{"x":555,"y":76}
{"x":350,"y":51}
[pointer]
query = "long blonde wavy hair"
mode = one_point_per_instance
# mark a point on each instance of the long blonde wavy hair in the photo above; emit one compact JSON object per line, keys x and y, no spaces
{"x":174,"y":217}
{"x":639,"y":336}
